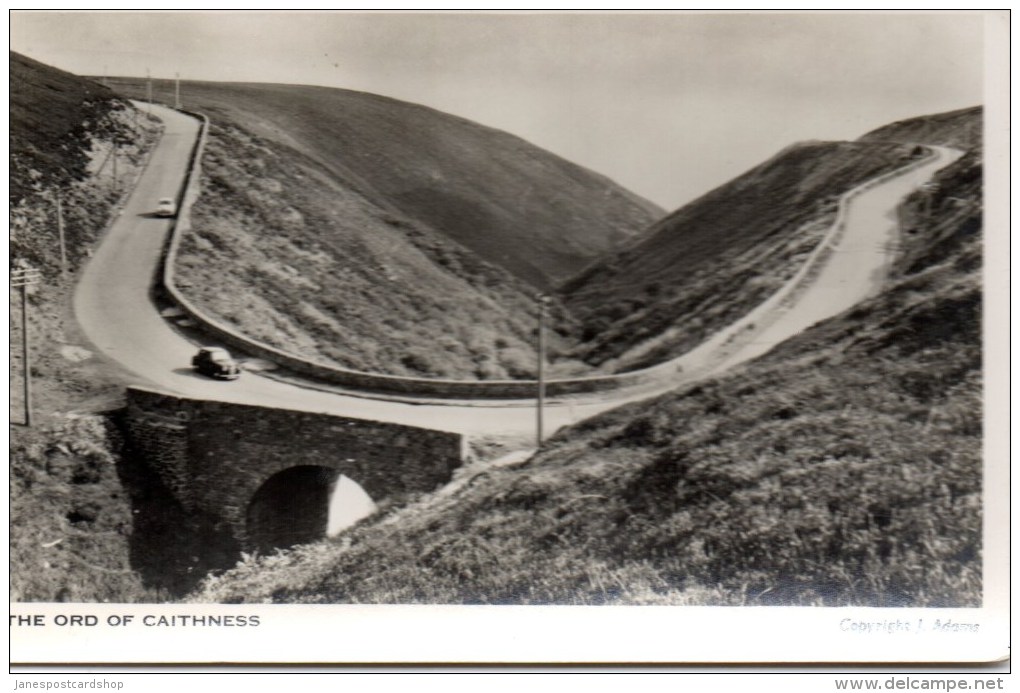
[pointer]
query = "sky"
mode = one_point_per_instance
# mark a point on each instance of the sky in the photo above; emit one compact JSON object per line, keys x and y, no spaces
{"x":669,"y":105}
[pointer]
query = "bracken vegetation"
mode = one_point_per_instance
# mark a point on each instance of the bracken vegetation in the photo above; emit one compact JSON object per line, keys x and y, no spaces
{"x":289,"y":256}
{"x":71,"y":519}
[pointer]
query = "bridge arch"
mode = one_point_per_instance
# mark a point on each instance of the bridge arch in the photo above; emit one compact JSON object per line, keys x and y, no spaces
{"x":303,"y":503}
{"x":218,"y":458}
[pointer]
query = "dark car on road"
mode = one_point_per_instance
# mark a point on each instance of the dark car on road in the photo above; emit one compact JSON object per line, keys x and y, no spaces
{"x":216,"y":362}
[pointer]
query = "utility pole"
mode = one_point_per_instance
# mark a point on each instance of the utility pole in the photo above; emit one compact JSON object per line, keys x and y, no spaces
{"x":543,"y":302}
{"x":148,"y":90}
{"x":929,"y":189}
{"x":22,"y":278}
{"x":60,"y":232}
{"x":177,"y":90}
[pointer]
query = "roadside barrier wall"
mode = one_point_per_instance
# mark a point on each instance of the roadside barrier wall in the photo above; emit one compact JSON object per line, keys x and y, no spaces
{"x":647,"y":378}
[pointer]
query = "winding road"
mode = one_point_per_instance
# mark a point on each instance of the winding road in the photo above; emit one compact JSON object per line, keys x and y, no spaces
{"x":115,"y":308}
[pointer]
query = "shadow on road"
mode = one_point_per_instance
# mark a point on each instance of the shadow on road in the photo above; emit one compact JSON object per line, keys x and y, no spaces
{"x":192,"y":373}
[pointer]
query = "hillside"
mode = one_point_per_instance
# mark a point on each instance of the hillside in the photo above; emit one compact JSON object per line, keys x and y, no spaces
{"x":70,"y":516}
{"x":62,"y":131}
{"x":53,"y":117}
{"x":287,"y":254}
{"x":842,"y":468}
{"x":387,"y":237}
{"x":711,"y":261}
{"x":64,"y":134}
{"x":511,"y":203}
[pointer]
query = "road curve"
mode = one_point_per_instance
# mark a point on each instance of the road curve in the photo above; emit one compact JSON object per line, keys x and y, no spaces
{"x":856,"y":268}
{"x":114,"y":306}
{"x":113,"y":303}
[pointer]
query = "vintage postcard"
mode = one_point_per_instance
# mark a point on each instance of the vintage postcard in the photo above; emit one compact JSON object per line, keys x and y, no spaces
{"x":508,"y":337}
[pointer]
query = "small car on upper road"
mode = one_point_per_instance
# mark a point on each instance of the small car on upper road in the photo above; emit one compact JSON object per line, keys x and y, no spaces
{"x":166,"y":207}
{"x":216,"y":362}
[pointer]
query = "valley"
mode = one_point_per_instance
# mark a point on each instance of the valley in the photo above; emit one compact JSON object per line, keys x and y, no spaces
{"x":752,"y":486}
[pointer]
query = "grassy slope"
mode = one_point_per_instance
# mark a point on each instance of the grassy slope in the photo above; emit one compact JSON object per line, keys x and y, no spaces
{"x":714,"y":259}
{"x":70,"y":531}
{"x":53,"y":117}
{"x":517,"y":206}
{"x":315,"y":268}
{"x":61,"y":131}
{"x":844,"y":467}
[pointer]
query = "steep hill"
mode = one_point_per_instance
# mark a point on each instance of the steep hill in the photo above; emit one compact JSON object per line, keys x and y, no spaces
{"x":842,"y":468}
{"x":714,"y":259}
{"x":62,"y":130}
{"x":387,"y":237}
{"x":287,"y":254}
{"x":70,"y":517}
{"x":513,"y":204}
{"x":53,"y":117}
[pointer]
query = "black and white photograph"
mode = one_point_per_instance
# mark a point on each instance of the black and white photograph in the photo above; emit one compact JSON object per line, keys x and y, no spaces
{"x":317,"y":316}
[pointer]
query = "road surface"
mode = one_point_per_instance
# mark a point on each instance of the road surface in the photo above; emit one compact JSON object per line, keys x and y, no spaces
{"x":115,"y":308}
{"x":855,"y":270}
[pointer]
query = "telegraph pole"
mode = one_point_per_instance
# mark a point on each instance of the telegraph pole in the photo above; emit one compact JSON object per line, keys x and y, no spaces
{"x":148,"y":91}
{"x":22,"y":278}
{"x":543,"y":302}
{"x":929,"y":188}
{"x":60,"y":232}
{"x":177,"y":90}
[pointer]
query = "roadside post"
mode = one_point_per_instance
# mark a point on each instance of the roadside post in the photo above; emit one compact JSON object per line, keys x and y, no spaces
{"x":60,"y":233}
{"x":929,"y":189}
{"x":23,"y":277}
{"x":543,"y":303}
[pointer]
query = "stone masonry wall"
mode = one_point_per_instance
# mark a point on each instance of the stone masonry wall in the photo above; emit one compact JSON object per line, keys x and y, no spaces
{"x":160,"y":434}
{"x":214,"y":456}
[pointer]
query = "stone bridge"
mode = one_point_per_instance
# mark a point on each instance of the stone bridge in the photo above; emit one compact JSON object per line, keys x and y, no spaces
{"x":269,"y":474}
